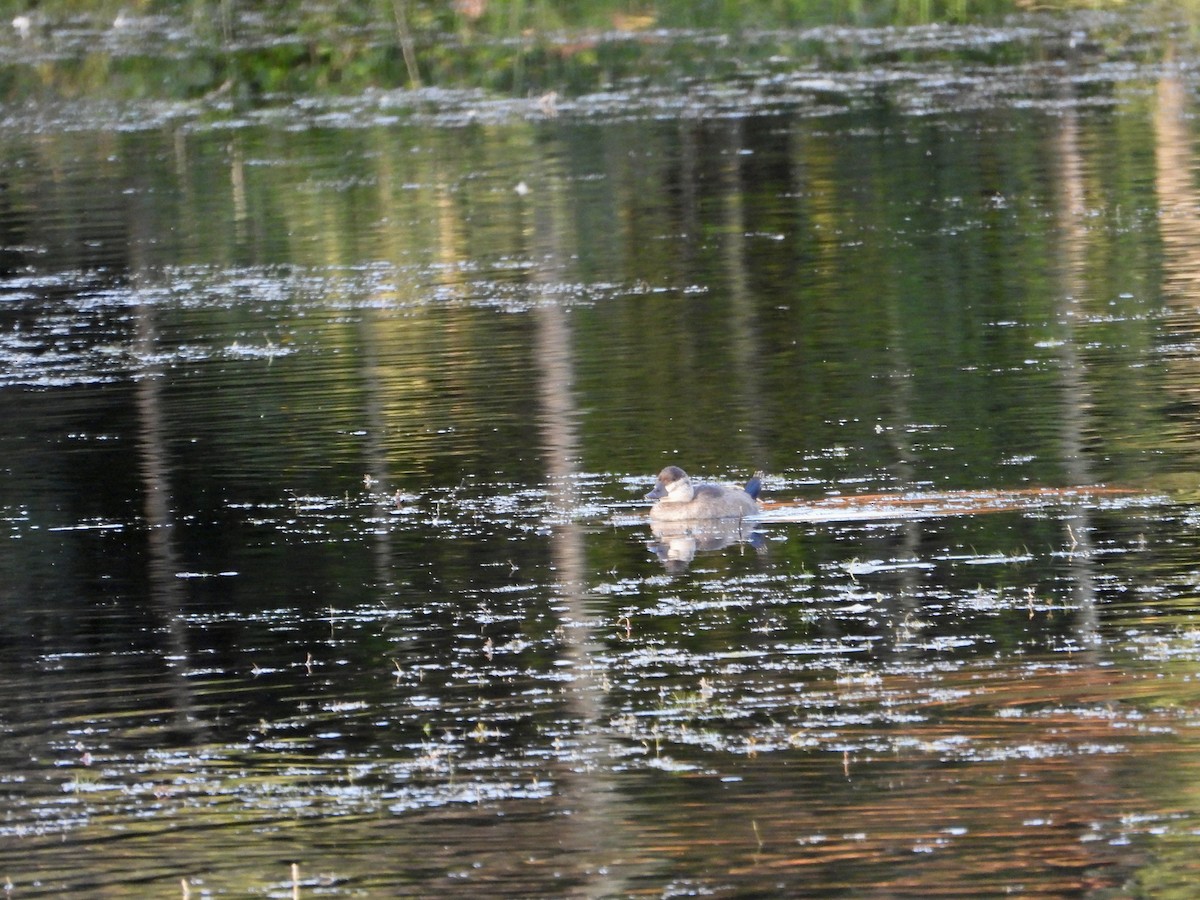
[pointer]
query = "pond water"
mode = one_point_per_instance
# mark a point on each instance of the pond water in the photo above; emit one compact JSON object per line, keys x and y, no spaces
{"x":327,"y":423}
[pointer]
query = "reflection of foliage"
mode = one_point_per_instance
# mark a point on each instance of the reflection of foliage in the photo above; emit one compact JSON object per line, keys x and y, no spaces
{"x":508,"y":17}
{"x":158,"y":49}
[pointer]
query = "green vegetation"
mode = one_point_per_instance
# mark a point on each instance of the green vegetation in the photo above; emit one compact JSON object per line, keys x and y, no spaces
{"x":252,"y":50}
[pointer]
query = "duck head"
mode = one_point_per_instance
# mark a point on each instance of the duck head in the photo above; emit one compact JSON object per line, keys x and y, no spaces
{"x":672,"y":486}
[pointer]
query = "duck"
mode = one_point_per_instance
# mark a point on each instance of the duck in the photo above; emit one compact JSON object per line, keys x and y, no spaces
{"x":678,"y":500}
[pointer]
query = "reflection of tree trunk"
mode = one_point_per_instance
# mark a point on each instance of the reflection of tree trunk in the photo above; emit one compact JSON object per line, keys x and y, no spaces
{"x":375,"y":461}
{"x":167,"y":594}
{"x":166,"y":589}
{"x":689,"y":206}
{"x":904,"y":608}
{"x":237,"y":183}
{"x":1177,"y":199}
{"x":1095,"y":773}
{"x":1076,"y":394}
{"x":742,"y":339}
{"x":1179,"y":224}
{"x":594,"y":824}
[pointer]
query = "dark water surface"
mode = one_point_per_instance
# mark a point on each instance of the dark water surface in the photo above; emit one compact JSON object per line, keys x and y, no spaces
{"x":326,"y":423}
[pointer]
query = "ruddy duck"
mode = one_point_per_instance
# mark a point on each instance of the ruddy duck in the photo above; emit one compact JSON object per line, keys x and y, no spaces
{"x":678,"y":500}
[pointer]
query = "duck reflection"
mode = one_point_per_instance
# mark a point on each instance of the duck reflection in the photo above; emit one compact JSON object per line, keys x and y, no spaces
{"x":677,"y":543}
{"x":688,"y":518}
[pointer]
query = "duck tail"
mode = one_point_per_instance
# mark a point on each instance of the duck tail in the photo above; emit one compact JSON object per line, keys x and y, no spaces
{"x":754,"y":485}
